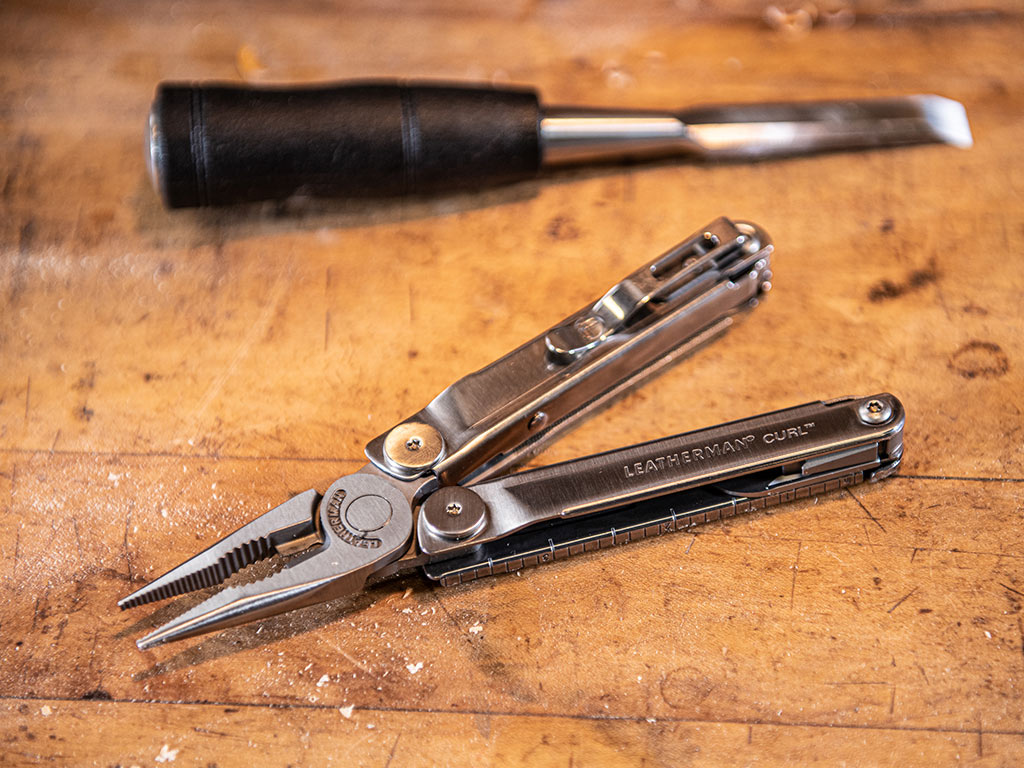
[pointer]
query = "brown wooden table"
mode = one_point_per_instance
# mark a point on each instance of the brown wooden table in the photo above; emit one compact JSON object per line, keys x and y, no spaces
{"x":167,"y":376}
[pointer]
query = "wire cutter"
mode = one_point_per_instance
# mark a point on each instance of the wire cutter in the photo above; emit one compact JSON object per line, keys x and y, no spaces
{"x":436,"y":493}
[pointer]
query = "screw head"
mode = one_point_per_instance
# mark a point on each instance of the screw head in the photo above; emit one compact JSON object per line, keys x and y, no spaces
{"x":874,"y":411}
{"x":413,"y":445}
{"x":453,"y":512}
{"x":538,"y":420}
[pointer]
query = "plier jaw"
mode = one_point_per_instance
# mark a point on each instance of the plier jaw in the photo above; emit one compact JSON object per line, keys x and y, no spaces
{"x":361,"y":524}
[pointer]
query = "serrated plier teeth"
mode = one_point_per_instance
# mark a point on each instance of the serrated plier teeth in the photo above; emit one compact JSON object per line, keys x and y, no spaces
{"x":287,"y":528}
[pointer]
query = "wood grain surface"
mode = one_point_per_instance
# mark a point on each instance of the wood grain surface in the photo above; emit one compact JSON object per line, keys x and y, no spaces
{"x":165,"y":377}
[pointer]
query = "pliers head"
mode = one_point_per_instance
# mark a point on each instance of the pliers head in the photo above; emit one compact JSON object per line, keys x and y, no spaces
{"x":361,"y":524}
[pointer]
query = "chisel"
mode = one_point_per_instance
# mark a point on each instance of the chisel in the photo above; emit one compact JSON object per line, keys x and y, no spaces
{"x":218,"y":144}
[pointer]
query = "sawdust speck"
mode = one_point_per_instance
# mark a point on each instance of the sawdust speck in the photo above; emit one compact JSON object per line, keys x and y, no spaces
{"x":167,"y":755}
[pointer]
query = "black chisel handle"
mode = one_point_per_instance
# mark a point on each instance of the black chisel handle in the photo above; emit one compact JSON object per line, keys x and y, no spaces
{"x":218,"y":144}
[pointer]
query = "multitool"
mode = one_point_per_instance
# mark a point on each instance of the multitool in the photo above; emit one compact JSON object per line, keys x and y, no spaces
{"x":437,"y":494}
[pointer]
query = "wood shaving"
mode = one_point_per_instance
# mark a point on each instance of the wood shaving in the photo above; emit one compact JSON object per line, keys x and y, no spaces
{"x":167,"y":755}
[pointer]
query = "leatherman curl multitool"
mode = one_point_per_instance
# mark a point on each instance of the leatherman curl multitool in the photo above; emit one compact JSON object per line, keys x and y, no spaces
{"x":435,"y":493}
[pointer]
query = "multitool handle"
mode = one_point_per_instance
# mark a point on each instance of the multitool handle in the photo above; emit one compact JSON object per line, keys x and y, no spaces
{"x":492,"y":419}
{"x":794,"y":451}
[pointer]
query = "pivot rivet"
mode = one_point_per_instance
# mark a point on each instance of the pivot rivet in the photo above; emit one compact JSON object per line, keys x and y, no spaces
{"x":413,"y":445}
{"x":454,"y":513}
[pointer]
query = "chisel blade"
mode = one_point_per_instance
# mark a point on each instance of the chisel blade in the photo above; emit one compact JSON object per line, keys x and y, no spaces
{"x":752,"y":131}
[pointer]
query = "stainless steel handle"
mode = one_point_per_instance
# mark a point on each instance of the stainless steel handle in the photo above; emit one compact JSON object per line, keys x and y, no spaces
{"x":782,"y":451}
{"x":491,"y":419}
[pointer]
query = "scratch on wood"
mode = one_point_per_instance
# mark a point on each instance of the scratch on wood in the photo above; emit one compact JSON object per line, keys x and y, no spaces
{"x":935,"y":18}
{"x":257,"y":329}
{"x":10,"y":508}
{"x":78,"y":539}
{"x":394,"y":746}
{"x":913,"y":554}
{"x":796,"y":567}
{"x":960,"y":478}
{"x":942,"y":301}
{"x":10,"y":496}
{"x":446,"y":613}
{"x":208,"y":732}
{"x":866,"y":512}
{"x":900,"y":601}
{"x":981,"y":752}
{"x":1020,"y":629}
{"x":892,"y":701}
{"x":924,"y":675}
{"x":327,"y":304}
{"x":355,"y":661}
{"x":352,"y":659}
{"x":867,"y":537}
{"x":1011,"y":589}
{"x":127,"y":553}
{"x":28,"y":396}
{"x":53,"y":445}
{"x":688,"y":546}
{"x":750,"y":733}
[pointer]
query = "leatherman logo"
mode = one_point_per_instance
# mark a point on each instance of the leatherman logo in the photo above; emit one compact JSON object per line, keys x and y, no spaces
{"x":336,"y":520}
{"x":700,"y":453}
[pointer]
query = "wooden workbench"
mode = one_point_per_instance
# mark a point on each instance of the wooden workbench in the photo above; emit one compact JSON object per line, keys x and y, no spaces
{"x":166,"y":376}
